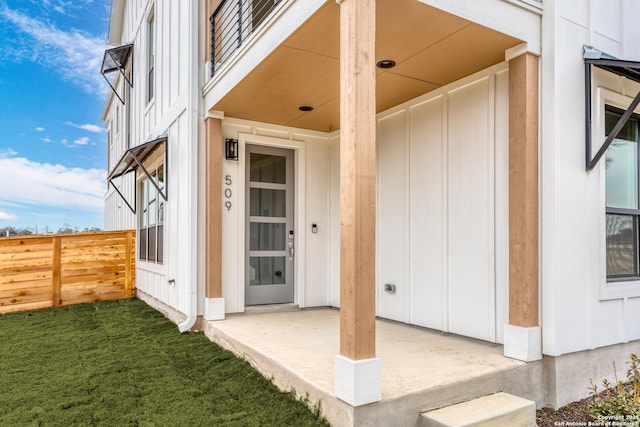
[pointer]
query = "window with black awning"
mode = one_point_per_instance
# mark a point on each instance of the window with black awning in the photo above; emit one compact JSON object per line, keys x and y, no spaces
{"x":628,"y":69}
{"x":115,"y":60}
{"x":133,"y":160}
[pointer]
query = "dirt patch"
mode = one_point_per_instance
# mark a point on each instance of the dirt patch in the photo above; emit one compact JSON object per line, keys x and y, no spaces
{"x":575,"y":413}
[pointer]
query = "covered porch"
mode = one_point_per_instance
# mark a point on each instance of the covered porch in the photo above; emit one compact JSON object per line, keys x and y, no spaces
{"x":422,"y":369}
{"x":335,"y":74}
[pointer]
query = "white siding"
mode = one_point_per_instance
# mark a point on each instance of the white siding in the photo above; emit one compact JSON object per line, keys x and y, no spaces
{"x":168,"y":112}
{"x":428,"y":214}
{"x":392,"y":225}
{"x":442,"y":208}
{"x":574,"y":316}
{"x":470,"y":208}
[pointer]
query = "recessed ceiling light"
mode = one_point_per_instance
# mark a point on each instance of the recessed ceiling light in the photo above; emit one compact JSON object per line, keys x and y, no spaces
{"x":305,"y":108}
{"x":386,"y":64}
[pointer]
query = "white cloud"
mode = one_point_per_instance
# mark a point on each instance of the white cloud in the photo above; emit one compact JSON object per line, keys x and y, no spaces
{"x":76,"y":143}
{"x":9,"y":152}
{"x":75,"y":55}
{"x":63,"y":6}
{"x":7,"y":217}
{"x":88,"y":127}
{"x":45,"y":185}
{"x":39,"y":129}
{"x":46,"y":139}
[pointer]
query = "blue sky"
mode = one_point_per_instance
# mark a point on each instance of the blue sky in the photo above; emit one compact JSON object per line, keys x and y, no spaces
{"x":52,"y":144}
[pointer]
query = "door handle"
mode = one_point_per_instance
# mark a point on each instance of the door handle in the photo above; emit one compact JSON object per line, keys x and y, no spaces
{"x":291,"y":251}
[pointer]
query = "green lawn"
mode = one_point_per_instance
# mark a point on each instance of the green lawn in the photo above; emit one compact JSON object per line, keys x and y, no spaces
{"x":121,"y":363}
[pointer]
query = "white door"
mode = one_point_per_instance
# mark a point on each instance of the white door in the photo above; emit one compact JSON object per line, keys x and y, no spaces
{"x":270,"y":241}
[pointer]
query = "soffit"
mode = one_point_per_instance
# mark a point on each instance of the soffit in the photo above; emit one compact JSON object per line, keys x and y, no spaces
{"x":431,"y":48}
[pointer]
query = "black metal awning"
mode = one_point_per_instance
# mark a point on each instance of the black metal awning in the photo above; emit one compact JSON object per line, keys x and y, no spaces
{"x":628,"y":69}
{"x":115,"y":59}
{"x":133,"y":159}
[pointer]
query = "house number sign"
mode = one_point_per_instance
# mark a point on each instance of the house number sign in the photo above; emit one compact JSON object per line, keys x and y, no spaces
{"x":227,"y":192}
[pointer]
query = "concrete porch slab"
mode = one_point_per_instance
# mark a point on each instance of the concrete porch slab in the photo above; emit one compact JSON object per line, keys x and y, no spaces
{"x":421,"y":369}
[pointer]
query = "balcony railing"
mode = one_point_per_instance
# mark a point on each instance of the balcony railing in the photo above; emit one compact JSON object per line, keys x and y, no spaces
{"x":232,"y":23}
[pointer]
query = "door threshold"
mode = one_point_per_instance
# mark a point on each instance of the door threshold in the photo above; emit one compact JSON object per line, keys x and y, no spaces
{"x":270,"y":308}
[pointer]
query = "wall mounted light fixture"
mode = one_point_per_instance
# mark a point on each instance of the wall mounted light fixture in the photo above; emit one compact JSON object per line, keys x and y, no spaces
{"x":231,"y":149}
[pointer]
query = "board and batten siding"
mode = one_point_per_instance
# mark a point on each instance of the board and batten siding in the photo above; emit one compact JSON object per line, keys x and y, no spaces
{"x":442,"y":208}
{"x":168,"y":112}
{"x":576,"y":312}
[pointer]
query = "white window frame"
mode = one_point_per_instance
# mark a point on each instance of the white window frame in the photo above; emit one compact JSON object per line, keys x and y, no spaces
{"x":159,"y":223}
{"x":618,"y":288}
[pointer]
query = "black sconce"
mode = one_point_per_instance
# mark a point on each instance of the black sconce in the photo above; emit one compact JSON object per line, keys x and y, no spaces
{"x":231,"y":149}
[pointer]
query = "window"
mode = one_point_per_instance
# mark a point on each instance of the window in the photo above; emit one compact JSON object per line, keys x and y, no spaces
{"x":151,"y":55}
{"x":622,"y":196}
{"x":151,"y":235}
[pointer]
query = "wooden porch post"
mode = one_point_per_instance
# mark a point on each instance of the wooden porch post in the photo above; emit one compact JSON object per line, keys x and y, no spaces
{"x":522,"y":335}
{"x":214,"y":303}
{"x":357,"y":369}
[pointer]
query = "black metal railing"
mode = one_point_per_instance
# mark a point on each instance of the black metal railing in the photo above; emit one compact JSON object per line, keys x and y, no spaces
{"x":232,"y":23}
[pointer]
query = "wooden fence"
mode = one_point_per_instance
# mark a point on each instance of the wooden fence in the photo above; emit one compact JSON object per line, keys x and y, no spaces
{"x":63,"y":269}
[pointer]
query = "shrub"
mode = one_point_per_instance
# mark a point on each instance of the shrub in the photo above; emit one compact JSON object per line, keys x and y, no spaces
{"x":620,"y":398}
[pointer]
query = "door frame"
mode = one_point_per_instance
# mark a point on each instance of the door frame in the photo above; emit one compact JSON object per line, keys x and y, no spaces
{"x":299,"y":212}
{"x":277,"y":293}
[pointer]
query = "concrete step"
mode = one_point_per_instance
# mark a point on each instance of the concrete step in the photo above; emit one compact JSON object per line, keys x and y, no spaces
{"x":496,"y":410}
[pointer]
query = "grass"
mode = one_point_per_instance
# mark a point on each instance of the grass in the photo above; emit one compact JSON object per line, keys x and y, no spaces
{"x":121,"y":363}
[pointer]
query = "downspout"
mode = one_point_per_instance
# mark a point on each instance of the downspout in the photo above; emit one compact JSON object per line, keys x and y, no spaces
{"x":192,"y":117}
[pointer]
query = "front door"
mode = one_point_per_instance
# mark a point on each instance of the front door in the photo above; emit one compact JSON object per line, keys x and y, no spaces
{"x":270,"y":243}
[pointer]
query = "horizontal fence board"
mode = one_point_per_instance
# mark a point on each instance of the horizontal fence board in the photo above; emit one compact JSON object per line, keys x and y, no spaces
{"x":24,"y":241}
{"x":13,"y":287}
{"x":81,"y":257}
{"x":7,"y":259}
{"x":93,"y":245}
{"x":96,"y":287}
{"x":93,"y":280}
{"x":7,"y":272}
{"x":83,"y":289}
{"x":25,"y":249}
{"x":9,"y":264}
{"x":24,"y":307}
{"x":38,"y":272}
{"x":13,"y":279}
{"x":43,"y":292}
{"x":85,"y":265}
{"x":107,"y":269}
{"x":21,"y":299}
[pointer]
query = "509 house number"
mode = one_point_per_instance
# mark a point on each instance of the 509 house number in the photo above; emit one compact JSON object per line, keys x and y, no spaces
{"x":227,"y":192}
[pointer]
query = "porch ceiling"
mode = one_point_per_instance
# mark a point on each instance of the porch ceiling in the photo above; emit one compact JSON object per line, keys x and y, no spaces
{"x":431,"y":48}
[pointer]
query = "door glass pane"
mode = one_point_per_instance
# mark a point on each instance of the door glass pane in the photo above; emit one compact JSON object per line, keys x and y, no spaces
{"x":267,"y":168}
{"x":620,"y":245}
{"x":621,"y":165}
{"x":265,"y":202}
{"x":267,"y":236}
{"x":266,"y":271}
